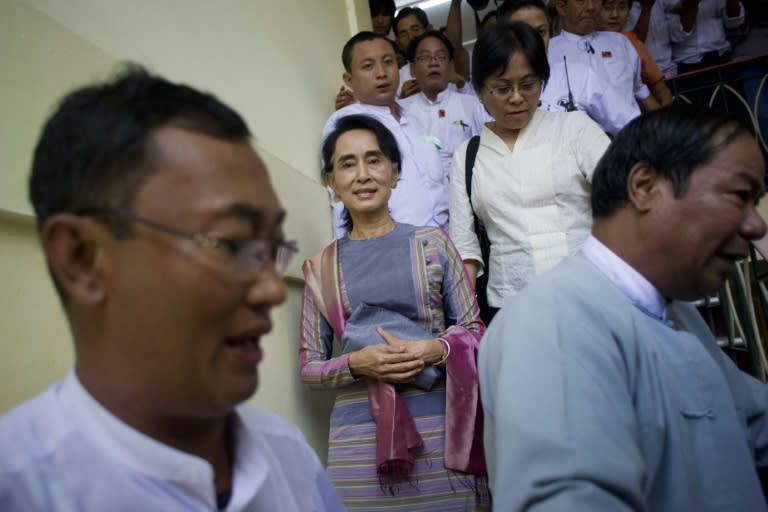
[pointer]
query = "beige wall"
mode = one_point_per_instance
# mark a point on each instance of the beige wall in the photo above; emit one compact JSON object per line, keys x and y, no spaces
{"x":275,"y":61}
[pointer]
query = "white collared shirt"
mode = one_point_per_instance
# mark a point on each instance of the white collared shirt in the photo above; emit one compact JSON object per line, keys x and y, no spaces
{"x":609,"y":54}
{"x":591,"y":94}
{"x":664,"y":29}
{"x":634,"y":285}
{"x":452,"y":118}
{"x":421,"y":195}
{"x":63,"y":451}
{"x":708,"y":32}
{"x":533,"y":200}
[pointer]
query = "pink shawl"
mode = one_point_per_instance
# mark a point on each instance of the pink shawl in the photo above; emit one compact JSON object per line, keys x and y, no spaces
{"x":397,"y":438}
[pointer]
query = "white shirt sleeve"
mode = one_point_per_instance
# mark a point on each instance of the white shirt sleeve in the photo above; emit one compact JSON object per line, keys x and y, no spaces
{"x":588,"y":143}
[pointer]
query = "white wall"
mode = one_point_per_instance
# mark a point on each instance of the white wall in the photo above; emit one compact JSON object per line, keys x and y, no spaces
{"x":276,"y":62}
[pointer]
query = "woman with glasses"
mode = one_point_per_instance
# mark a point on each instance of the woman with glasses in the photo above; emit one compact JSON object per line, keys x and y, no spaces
{"x":531,"y":175}
{"x":404,"y":431}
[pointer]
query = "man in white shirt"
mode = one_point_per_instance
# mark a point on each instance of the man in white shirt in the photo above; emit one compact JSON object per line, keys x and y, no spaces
{"x":602,"y":387}
{"x":420,"y":197}
{"x":707,"y":45}
{"x":163,"y":237}
{"x":575,"y":86}
{"x":410,"y":23}
{"x":609,"y":55}
{"x":658,"y":23}
{"x":448,"y":116}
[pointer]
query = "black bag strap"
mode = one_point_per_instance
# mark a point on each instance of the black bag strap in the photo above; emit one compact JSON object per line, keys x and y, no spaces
{"x":469,"y":165}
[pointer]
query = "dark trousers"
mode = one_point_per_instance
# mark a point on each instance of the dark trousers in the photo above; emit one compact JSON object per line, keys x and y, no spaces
{"x":709,"y":59}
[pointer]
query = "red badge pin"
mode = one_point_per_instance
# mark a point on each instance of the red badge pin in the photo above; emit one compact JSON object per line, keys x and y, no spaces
{"x":607,"y":54}
{"x":441,"y":113}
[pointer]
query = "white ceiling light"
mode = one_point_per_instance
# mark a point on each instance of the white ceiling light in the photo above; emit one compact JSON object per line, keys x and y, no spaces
{"x":424,"y":4}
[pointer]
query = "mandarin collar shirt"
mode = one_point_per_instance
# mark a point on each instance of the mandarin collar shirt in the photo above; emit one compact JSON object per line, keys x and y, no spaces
{"x":533,"y":199}
{"x":63,"y":451}
{"x":451,"y":119}
{"x":591,"y":94}
{"x":634,"y":285}
{"x":609,"y":54}
{"x":708,"y":32}
{"x":421,"y":195}
{"x":594,"y":404}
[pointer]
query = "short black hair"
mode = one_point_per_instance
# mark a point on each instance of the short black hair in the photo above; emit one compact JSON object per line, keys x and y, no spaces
{"x":94,"y":148}
{"x":385,"y":7}
{"x":414,"y":44}
{"x":496,"y":44}
{"x":509,"y":7}
{"x":349,"y":46}
{"x":674,"y":141}
{"x":385,"y":139}
{"x":407,"y":11}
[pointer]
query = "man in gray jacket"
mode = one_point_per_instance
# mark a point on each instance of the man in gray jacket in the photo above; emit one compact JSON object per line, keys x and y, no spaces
{"x":603,"y":388}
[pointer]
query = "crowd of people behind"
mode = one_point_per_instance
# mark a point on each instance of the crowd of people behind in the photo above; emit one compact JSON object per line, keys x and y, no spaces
{"x":460,"y":172}
{"x":515,"y":195}
{"x":395,"y":157}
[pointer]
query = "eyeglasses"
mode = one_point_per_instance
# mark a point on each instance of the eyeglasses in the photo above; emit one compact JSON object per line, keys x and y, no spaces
{"x":249,"y":257}
{"x":526,"y":89}
{"x":428,"y":57}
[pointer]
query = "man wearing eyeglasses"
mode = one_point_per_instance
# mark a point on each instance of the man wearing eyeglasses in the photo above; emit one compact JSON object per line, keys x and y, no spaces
{"x":449,"y":117}
{"x":164,"y":239}
{"x":410,"y":23}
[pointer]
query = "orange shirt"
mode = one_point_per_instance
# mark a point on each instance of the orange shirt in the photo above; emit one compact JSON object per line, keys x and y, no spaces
{"x":649,"y":71}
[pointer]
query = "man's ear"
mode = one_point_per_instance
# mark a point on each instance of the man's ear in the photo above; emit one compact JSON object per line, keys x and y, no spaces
{"x":347,"y":77}
{"x":429,"y":28}
{"x":71,"y":245}
{"x":644,"y":186}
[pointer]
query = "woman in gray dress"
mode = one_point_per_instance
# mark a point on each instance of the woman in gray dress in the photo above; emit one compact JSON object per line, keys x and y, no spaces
{"x":398,"y":300}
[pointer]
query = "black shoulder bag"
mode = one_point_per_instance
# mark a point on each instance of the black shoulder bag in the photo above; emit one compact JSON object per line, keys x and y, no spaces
{"x":481,"y":284}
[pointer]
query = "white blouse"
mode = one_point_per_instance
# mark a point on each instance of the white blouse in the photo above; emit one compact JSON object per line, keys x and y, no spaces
{"x":533,"y":200}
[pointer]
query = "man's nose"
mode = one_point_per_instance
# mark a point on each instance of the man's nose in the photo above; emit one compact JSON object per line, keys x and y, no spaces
{"x":753,"y":227}
{"x":267,"y":289}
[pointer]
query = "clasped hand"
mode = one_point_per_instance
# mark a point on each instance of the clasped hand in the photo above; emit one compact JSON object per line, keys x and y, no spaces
{"x":397,"y":361}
